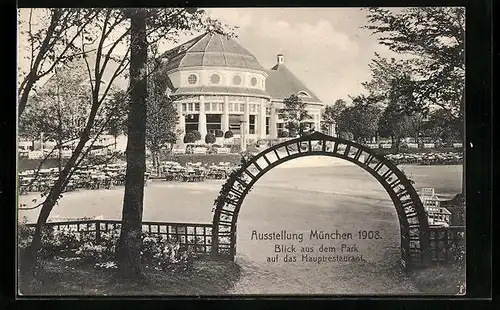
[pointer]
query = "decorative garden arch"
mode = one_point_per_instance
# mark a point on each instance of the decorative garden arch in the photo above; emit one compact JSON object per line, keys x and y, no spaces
{"x":412,"y":216}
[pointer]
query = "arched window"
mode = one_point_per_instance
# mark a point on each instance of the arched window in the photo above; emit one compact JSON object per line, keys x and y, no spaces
{"x":303,"y":94}
{"x":192,"y":79}
{"x":253,"y":81}
{"x":215,"y":78}
{"x":236,"y":80}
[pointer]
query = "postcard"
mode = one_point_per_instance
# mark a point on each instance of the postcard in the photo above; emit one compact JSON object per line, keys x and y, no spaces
{"x":241,"y":151}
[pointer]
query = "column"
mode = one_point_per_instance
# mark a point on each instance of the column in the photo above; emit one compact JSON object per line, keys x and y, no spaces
{"x":225,"y":115}
{"x":273,"y":130}
{"x":318,"y":122}
{"x":202,"y":121}
{"x":246,"y":116}
{"x":243,"y":137}
{"x":182,"y":119}
{"x":262,"y":119}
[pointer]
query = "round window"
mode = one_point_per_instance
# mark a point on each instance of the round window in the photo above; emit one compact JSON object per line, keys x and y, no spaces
{"x":192,"y":79}
{"x":215,"y":79}
{"x":236,"y":80}
{"x":253,"y":81}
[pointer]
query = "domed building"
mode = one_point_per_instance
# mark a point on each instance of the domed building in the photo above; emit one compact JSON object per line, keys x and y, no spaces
{"x":219,"y":85}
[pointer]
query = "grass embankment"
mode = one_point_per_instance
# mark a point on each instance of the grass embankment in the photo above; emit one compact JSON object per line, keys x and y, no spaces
{"x":440,"y":280}
{"x":58,"y":277}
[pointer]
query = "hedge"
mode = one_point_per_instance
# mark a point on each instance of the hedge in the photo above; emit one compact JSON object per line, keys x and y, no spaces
{"x":228,"y":134}
{"x":234,"y":159}
{"x":209,"y":138}
{"x":219,"y":133}
{"x":419,"y":150}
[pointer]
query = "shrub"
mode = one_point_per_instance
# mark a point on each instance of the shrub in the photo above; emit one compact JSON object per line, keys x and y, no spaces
{"x":346,"y":135}
{"x":283,"y":134}
{"x":219,"y":133}
{"x":157,"y":252}
{"x":197,"y":135}
{"x":190,"y":137}
{"x":209,"y":138}
{"x":228,"y":134}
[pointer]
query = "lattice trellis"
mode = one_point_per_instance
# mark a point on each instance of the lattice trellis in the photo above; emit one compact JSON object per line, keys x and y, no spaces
{"x":412,"y":217}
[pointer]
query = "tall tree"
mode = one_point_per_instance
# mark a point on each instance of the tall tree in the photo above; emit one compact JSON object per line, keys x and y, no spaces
{"x":161,"y":119}
{"x":51,"y":36}
{"x":361,"y":119}
{"x":400,"y":117}
{"x":118,"y":112}
{"x":396,"y":124}
{"x":57,"y":110}
{"x":435,"y":37}
{"x":294,"y":114}
{"x":98,"y":43}
{"x":98,"y":30}
{"x":129,"y":245}
{"x":440,"y":125}
{"x":331,"y":114}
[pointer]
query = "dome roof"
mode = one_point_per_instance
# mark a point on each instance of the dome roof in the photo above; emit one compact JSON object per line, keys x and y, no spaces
{"x":281,"y":83}
{"x":211,"y":49}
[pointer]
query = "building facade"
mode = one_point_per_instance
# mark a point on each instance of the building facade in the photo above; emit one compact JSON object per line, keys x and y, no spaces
{"x":219,"y":85}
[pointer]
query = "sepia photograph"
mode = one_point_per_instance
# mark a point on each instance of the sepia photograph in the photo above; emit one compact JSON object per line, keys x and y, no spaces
{"x":241,"y":151}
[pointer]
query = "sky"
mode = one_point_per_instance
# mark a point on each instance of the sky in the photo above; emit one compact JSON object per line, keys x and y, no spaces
{"x":326,"y":48}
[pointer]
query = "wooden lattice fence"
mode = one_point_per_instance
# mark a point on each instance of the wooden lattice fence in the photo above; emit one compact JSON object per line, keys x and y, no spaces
{"x":198,"y":235}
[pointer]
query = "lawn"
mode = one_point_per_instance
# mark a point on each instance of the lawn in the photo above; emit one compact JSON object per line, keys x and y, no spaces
{"x":58,"y":277}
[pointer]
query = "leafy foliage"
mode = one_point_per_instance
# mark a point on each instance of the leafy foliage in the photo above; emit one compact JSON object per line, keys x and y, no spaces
{"x":294,"y":114}
{"x":161,"y":114}
{"x":360,"y":119}
{"x":331,"y":114}
{"x":219,"y":133}
{"x":435,"y":37}
{"x":117,"y":123}
{"x":228,"y":134}
{"x":157,"y":252}
{"x":102,"y":31}
{"x":190,"y":137}
{"x":441,"y":125}
{"x":51,"y":35}
{"x":59,"y":108}
{"x":197,"y":135}
{"x":401,"y":117}
{"x":346,"y":135}
{"x":283,"y":134}
{"x":210,"y":138}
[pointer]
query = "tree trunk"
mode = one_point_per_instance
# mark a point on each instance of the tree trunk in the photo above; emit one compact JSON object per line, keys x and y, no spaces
{"x":60,"y":155}
{"x":153,"y":157}
{"x":158,"y":163}
{"x":128,"y":252}
{"x":156,"y":160}
{"x":398,"y":144}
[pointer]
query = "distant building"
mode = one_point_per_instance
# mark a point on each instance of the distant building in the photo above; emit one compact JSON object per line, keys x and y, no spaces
{"x":222,"y":85}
